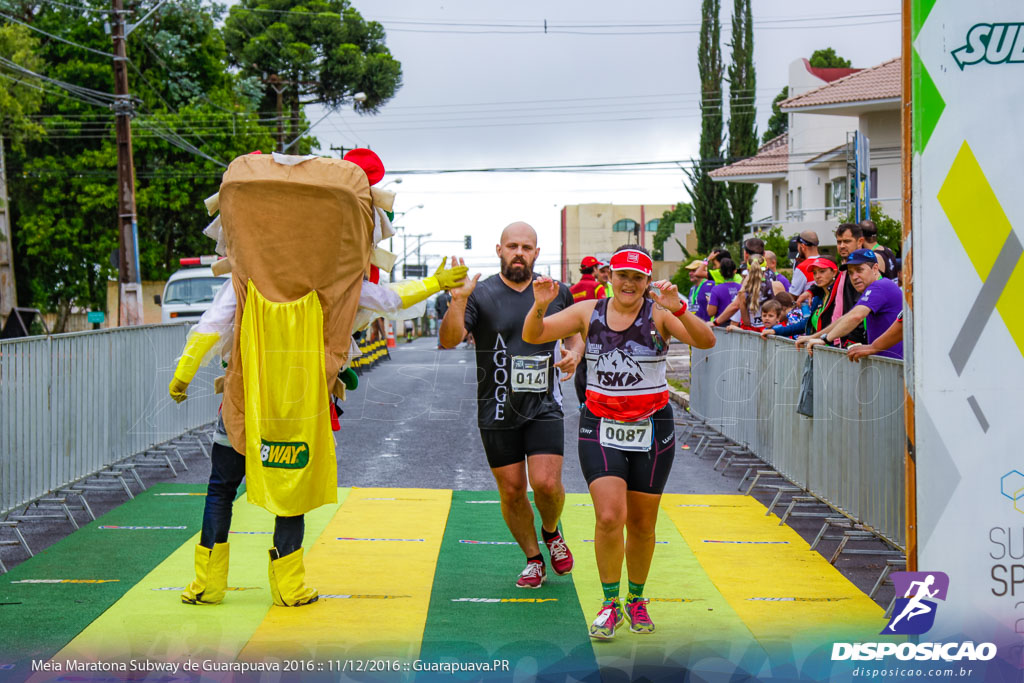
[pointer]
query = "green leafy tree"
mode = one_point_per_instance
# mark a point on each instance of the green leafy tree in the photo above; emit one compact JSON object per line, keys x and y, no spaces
{"x":194,"y":116}
{"x":890,"y":230}
{"x":710,"y":207}
{"x":742,"y":114}
{"x":778,"y":123}
{"x":778,"y":243}
{"x":20,"y":96}
{"x":827,"y":58}
{"x":680,"y":213}
{"x":319,"y":51}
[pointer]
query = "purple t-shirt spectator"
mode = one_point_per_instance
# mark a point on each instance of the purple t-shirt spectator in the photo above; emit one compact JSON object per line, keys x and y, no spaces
{"x":785,"y":281}
{"x":702,"y":297}
{"x":722,"y":295}
{"x":885,"y":300}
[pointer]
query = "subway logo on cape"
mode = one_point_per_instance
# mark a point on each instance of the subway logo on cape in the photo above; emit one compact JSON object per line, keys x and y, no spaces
{"x":289,"y":455}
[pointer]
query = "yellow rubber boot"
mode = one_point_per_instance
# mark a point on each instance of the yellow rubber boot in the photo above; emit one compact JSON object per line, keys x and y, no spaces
{"x":288,"y":580}
{"x":211,"y":580}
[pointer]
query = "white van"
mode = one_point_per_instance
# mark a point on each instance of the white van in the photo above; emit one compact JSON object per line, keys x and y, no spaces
{"x":188,"y":293}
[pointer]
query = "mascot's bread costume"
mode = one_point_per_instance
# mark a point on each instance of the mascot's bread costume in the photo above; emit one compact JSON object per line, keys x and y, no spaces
{"x":299,"y":234}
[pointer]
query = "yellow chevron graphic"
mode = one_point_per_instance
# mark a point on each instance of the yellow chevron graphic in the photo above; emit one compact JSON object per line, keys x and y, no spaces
{"x":982,"y":227}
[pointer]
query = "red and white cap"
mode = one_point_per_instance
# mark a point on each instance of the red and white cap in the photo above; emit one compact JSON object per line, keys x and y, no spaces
{"x":632,"y":259}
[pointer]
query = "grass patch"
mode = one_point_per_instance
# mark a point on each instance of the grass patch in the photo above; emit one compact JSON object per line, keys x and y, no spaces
{"x":679,"y":385}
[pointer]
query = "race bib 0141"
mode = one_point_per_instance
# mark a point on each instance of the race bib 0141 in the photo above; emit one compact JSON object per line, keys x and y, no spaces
{"x":530,"y":374}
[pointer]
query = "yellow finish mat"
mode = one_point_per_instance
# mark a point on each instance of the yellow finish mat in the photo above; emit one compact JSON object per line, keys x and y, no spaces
{"x":374,"y":568}
{"x":781,"y":589}
{"x":151,"y":623}
{"x":692,"y":619}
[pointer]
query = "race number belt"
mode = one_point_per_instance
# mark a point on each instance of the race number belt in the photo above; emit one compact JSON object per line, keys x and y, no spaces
{"x":627,"y":436}
{"x":530,"y":374}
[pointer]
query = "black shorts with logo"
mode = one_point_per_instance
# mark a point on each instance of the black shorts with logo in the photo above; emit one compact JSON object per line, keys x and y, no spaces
{"x":542,"y":434}
{"x":645,"y":472}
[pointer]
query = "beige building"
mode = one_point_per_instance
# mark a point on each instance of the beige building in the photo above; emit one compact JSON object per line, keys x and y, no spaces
{"x":599,"y":229}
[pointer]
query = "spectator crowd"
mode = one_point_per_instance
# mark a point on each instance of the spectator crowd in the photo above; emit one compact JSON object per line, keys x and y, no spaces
{"x":854,"y":303}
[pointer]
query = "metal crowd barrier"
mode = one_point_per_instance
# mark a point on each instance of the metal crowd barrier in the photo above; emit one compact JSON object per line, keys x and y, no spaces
{"x":849,"y":454}
{"x":74,"y":404}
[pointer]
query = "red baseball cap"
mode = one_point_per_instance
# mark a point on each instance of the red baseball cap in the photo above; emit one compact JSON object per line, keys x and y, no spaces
{"x":822,"y":262}
{"x":632,"y":259}
{"x":589,"y":261}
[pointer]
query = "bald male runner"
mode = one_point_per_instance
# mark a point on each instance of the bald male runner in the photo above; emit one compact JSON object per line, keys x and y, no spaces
{"x":519,"y":409}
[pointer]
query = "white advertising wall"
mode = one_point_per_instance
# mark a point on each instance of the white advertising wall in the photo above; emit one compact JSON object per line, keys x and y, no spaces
{"x":968,"y":313}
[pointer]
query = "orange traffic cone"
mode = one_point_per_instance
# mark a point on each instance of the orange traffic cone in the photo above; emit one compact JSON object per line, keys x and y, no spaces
{"x":391,"y":334}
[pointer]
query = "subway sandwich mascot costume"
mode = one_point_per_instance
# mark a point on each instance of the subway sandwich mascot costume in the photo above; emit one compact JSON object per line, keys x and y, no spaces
{"x":299,"y":237}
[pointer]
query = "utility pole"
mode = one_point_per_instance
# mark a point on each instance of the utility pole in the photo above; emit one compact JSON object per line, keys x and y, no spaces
{"x":130,"y":290}
{"x":8,"y":292}
{"x":278,"y":86}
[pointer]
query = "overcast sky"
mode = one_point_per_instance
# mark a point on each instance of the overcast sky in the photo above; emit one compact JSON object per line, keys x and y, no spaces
{"x":485,"y":86}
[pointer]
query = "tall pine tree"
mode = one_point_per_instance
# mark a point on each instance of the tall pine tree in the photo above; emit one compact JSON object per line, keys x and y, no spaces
{"x":742,"y":113}
{"x":710,"y":208}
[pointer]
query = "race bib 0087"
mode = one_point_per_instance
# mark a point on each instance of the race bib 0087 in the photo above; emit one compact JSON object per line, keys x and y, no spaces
{"x":627,"y":436}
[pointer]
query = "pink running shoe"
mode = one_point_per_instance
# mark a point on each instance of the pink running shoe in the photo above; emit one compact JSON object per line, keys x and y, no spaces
{"x":533,"y":576}
{"x":608,"y":619}
{"x":561,"y":557}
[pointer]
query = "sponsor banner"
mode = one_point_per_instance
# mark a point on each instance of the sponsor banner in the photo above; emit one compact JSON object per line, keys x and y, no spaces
{"x":750,"y":542}
{"x":339,"y":596}
{"x":230,"y":588}
{"x":140,"y":528}
{"x":67,"y":581}
{"x":496,"y":600}
{"x":965,"y":368}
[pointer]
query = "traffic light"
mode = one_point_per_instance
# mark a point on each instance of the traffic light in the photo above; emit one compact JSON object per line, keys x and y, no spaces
{"x":468,"y":242}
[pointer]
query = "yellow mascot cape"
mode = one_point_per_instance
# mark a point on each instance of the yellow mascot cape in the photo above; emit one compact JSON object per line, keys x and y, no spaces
{"x":299,"y":238}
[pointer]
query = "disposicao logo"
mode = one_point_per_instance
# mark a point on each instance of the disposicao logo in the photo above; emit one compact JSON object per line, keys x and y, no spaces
{"x":914,"y":614}
{"x":289,"y":455}
{"x":998,"y":43}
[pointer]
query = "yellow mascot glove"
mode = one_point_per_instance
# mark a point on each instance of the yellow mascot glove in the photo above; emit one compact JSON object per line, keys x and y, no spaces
{"x":178,"y":390}
{"x":196,"y":349}
{"x":451,"y":277}
{"x":415,"y":291}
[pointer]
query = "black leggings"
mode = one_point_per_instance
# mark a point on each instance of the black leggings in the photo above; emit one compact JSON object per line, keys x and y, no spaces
{"x":645,"y":472}
{"x":226,"y":473}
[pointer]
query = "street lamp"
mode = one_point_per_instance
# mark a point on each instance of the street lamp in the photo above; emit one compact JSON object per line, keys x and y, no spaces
{"x":405,"y":239}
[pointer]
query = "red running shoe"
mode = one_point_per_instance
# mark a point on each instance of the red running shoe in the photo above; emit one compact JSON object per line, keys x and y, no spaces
{"x":533,"y":576}
{"x":561,"y":557}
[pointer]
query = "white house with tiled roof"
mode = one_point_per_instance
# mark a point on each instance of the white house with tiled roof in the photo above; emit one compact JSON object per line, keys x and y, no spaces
{"x":803,"y":174}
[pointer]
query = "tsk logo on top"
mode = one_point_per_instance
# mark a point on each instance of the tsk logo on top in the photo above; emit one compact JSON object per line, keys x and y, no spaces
{"x":992,"y":44}
{"x":914,"y":613}
{"x":290,"y":455}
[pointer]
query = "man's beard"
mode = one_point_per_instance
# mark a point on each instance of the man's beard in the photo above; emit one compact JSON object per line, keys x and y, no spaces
{"x":521,"y":274}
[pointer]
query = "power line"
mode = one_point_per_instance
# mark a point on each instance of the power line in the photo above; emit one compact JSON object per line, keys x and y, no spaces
{"x":58,"y":38}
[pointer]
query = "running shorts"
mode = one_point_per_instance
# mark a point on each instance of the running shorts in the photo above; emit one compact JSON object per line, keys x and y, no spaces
{"x":542,"y":434}
{"x":645,"y":472}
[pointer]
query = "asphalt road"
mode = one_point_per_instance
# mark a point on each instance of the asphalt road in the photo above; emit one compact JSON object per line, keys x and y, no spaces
{"x":412,"y":423}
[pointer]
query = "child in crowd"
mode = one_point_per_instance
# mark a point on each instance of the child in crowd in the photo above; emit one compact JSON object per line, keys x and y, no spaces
{"x":772,"y":313}
{"x":791,"y":312}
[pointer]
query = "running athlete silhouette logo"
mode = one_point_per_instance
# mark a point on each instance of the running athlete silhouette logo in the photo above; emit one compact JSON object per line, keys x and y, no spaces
{"x":616,"y":369}
{"x":914,"y":612}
